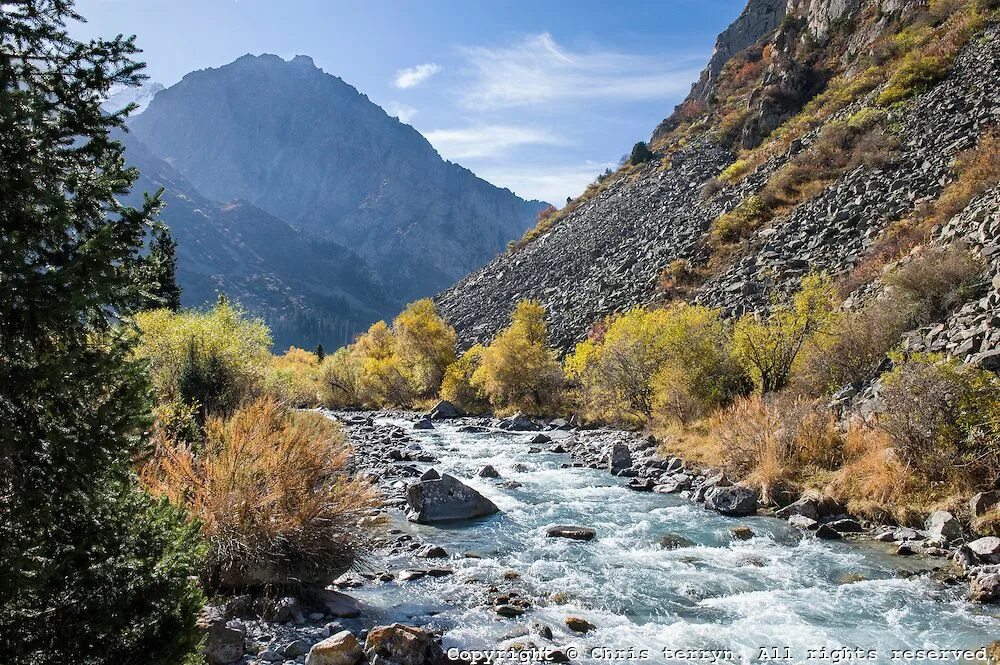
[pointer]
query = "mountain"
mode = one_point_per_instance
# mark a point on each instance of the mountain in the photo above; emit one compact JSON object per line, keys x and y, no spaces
{"x":311,"y":150}
{"x":141,"y":96}
{"x":309,"y":291}
{"x":837,"y":136}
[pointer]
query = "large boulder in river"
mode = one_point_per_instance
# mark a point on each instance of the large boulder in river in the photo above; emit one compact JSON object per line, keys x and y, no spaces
{"x":444,"y":499}
{"x":403,"y":645}
{"x":518,"y":423}
{"x":619,"y":458}
{"x":944,"y":524}
{"x":737,"y":500}
{"x":444,"y":410}
{"x":987,"y":549}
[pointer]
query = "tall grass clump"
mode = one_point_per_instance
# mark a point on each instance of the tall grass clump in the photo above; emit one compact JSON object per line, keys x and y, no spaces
{"x":270,"y":489}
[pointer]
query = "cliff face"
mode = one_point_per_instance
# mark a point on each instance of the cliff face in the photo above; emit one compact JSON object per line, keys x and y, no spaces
{"x":846,"y":171}
{"x":311,"y":150}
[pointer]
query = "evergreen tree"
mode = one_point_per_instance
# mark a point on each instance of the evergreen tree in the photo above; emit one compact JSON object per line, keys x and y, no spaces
{"x":640,"y":153}
{"x":162,"y":262}
{"x":320,"y":353}
{"x":94,"y":570}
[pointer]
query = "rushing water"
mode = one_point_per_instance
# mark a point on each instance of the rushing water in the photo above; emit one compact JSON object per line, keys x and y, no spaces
{"x":775,"y":590}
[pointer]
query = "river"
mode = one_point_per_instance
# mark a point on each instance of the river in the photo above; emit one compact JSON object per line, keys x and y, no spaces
{"x":777,"y":590}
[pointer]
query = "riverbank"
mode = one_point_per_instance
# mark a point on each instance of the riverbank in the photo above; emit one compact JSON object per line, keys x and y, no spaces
{"x":661,"y":571}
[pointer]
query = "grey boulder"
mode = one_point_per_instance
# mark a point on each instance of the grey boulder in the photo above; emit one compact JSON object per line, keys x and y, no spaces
{"x":445,"y":499}
{"x":736,"y":501}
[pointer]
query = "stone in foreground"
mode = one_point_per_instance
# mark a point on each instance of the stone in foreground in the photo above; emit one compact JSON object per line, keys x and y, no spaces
{"x":403,"y":645}
{"x":445,"y":499}
{"x":735,"y":501}
{"x":571,"y":532}
{"x":339,"y":649}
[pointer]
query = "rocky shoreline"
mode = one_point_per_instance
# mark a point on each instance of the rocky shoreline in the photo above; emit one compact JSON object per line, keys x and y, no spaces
{"x":328,"y":627}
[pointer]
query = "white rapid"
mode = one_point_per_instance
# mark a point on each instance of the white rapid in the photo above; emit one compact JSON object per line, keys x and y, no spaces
{"x":800,"y":596}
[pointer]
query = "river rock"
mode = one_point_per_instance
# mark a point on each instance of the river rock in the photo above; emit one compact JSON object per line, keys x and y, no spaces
{"x":982,"y":502}
{"x":444,"y":499}
{"x":509,"y":611}
{"x":985,"y":588}
{"x":570,"y":532}
{"x":736,"y":501}
{"x":987,"y":549}
{"x":339,"y":605}
{"x":224,"y":640}
{"x":432,"y":552}
{"x":488,"y":471}
{"x":403,"y":645}
{"x":741,"y":532}
{"x":619,"y":458}
{"x":430,"y":474}
{"x":518,"y":423}
{"x":295,"y":648}
{"x":802,"y":522}
{"x":423,"y":423}
{"x":806,"y":507}
{"x":339,"y":649}
{"x":826,"y":532}
{"x":444,"y":410}
{"x":579,"y":625}
{"x":942,"y":523}
{"x":541,"y":438}
{"x":671,"y":541}
{"x":641,"y":484}
{"x":286,"y":609}
{"x":845,"y":525}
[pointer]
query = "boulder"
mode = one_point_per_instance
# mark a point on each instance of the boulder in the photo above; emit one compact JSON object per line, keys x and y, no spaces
{"x":339,"y":649}
{"x":736,"y":501}
{"x":518,"y":423}
{"x":671,"y":541}
{"x":444,"y":499}
{"x":444,"y":410}
{"x":825,"y":532}
{"x":806,"y":506}
{"x":741,"y":532}
{"x":432,"y":552}
{"x":571,"y":532}
{"x":942,"y":523}
{"x":430,"y":474}
{"x":541,"y":438}
{"x":488,"y":471}
{"x":224,"y":640}
{"x":338,"y":605}
{"x":845,"y":525}
{"x":295,"y":648}
{"x":987,"y":549}
{"x":286,"y":609}
{"x":423,"y":423}
{"x":802,"y":522}
{"x":982,"y":502}
{"x":619,"y":458}
{"x":641,"y":484}
{"x":403,"y":645}
{"x":579,"y":625}
{"x":985,"y":588}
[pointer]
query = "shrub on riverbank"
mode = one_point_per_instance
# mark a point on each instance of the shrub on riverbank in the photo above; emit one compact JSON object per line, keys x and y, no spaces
{"x":271,"y":493}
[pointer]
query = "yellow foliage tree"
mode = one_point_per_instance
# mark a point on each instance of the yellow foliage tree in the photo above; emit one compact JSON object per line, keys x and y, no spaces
{"x":457,"y":388}
{"x":518,"y":370}
{"x":295,"y":378}
{"x":425,"y":344}
{"x":768,"y":346}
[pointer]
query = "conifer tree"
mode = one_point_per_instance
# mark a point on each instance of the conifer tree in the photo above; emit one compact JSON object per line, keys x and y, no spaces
{"x":94,"y":570}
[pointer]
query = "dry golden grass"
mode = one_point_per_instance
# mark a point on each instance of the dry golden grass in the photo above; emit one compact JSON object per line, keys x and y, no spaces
{"x":272,"y":493}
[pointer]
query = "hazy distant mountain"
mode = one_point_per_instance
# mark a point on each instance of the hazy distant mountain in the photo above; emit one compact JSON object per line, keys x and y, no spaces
{"x":311,"y":150}
{"x":308,"y":290}
{"x":141,"y":96}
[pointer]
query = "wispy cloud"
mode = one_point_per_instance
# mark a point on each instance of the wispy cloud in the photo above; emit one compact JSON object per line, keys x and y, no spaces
{"x":536,"y":70}
{"x":546,"y":183}
{"x":487,"y":140}
{"x":402,"y":111}
{"x":414,"y":76}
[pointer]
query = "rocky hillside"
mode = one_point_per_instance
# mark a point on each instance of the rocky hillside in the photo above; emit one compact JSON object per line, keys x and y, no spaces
{"x":311,"y":150}
{"x":308,"y":291}
{"x":825,"y":135}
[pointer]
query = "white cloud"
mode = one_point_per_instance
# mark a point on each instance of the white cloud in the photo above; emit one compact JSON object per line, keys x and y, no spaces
{"x":546,"y":183}
{"x":402,"y":111}
{"x":486,"y":140}
{"x":537,"y":70}
{"x":414,"y":76}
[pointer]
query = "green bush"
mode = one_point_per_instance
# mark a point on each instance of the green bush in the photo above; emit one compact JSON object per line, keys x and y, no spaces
{"x":640,"y":154}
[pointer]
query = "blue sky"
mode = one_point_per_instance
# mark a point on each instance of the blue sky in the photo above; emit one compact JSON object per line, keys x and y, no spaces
{"x":535,"y":96}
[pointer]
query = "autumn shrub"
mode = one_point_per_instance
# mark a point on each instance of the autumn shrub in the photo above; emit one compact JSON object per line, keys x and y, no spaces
{"x":271,"y":493}
{"x":518,"y":370}
{"x":768,"y":346}
{"x":743,"y":220}
{"x":214,"y":359}
{"x":873,"y":482}
{"x":977,"y":170}
{"x":944,"y":418}
{"x":339,"y":380}
{"x":771,"y":443}
{"x":670,"y":361}
{"x":850,"y":349}
{"x":457,"y":385}
{"x":936,"y":281}
{"x":294,"y":378}
{"x":425,"y":344}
